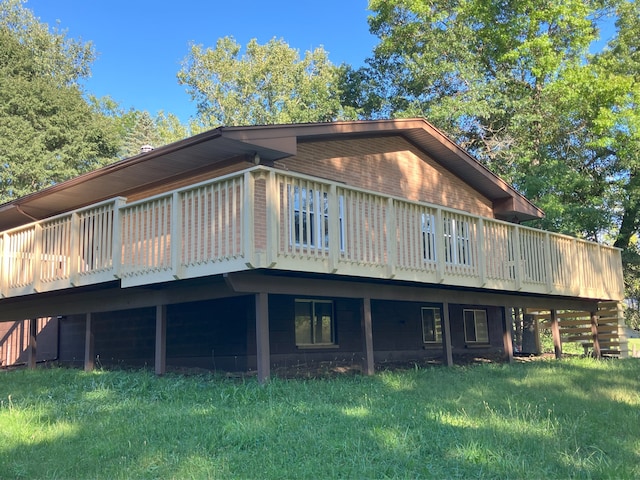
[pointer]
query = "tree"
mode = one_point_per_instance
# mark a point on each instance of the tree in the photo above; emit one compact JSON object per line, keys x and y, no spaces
{"x":48,"y":132}
{"x":619,"y":67}
{"x":143,"y":132}
{"x":500,"y":77}
{"x":267,"y":84}
{"x":62,"y":59}
{"x":171,"y":129}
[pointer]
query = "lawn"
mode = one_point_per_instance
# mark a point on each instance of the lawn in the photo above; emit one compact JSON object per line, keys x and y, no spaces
{"x":575,"y":418}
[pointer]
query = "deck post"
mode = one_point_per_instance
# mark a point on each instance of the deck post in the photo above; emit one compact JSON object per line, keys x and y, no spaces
{"x":272,"y":196}
{"x":33,"y":329}
{"x":37,"y":256}
{"x":89,"y":355}
{"x":368,"y":367}
{"x":248,"y":221}
{"x":446,"y":336}
{"x":392,"y":238}
{"x":440,"y":250}
{"x":555,"y":332}
{"x":4,"y":265}
{"x":594,"y":334}
{"x":263,"y":356}
{"x":507,"y":337}
{"x":482,"y":257}
{"x":334,"y":227}
{"x":517,"y":258}
{"x":74,"y":249}
{"x":161,"y":340}
{"x":176,"y":235}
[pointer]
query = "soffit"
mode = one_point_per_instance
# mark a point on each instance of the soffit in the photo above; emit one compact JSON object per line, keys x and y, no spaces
{"x":130,"y":175}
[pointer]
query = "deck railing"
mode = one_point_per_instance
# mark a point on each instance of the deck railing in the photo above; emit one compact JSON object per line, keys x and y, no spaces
{"x":264,"y":218}
{"x":366,"y":234}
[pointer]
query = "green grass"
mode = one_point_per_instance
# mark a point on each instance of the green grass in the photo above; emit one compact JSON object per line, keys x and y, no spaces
{"x":577,"y":418}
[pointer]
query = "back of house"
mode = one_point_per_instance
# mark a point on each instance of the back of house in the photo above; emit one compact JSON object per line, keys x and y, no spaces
{"x":252,"y":248}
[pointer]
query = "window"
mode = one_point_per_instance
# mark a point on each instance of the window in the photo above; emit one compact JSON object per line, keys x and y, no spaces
{"x":476,"y":329}
{"x":314,"y":322}
{"x":456,"y":236}
{"x":310,"y":217}
{"x":457,"y":242}
{"x":431,"y":325}
{"x":428,"y":237}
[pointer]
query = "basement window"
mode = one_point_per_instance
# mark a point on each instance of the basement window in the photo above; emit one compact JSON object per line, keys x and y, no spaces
{"x":431,"y":325}
{"x":476,"y":329}
{"x":314,"y":323}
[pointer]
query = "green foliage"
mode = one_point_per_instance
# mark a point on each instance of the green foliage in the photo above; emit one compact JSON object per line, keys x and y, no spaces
{"x":48,"y":132}
{"x":52,"y":54}
{"x":143,"y":132}
{"x":508,"y":80}
{"x":543,"y":419}
{"x":267,"y":84}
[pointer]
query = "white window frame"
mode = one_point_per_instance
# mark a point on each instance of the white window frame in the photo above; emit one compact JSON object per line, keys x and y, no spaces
{"x":428,"y":222}
{"x":480,"y":326}
{"x":457,"y":242}
{"x":312,"y":204}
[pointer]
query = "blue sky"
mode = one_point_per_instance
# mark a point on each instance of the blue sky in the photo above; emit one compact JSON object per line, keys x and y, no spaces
{"x":140,"y":43}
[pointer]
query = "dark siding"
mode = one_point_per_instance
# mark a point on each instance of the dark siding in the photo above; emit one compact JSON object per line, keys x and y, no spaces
{"x":397,"y":331}
{"x":211,"y":334}
{"x":72,"y":332}
{"x":397,"y":325}
{"x":494,"y":319}
{"x":282,"y":333}
{"x":125,"y":338}
{"x":220,"y":334}
{"x":47,"y":340}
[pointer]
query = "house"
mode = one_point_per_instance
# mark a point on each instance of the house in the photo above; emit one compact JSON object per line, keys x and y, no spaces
{"x":252,"y":247}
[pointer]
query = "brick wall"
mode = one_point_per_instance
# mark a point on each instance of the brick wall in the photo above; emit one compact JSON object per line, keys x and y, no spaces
{"x":389,"y":165}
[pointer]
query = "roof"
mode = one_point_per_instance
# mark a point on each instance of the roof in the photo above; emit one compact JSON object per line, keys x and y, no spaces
{"x":272,"y":142}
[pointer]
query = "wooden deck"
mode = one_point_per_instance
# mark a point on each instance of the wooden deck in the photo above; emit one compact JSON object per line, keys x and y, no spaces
{"x":267,"y":218}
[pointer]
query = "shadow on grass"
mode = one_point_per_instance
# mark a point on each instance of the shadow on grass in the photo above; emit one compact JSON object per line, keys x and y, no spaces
{"x":576,"y":419}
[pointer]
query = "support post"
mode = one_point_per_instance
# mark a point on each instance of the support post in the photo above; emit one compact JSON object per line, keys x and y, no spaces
{"x":392,"y":238}
{"x":507,"y":337}
{"x":555,"y":332}
{"x":594,"y":335}
{"x":482,"y":257}
{"x":248,"y":227}
{"x":263,"y":355}
{"x":272,"y":196}
{"x":447,"y":356}
{"x":176,"y":235}
{"x":74,"y":249}
{"x":517,"y":258}
{"x":161,"y":340}
{"x":33,"y":329}
{"x":37,"y":258}
{"x":368,"y":367}
{"x":440,"y":250}
{"x":334,"y":228}
{"x":89,"y":356}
